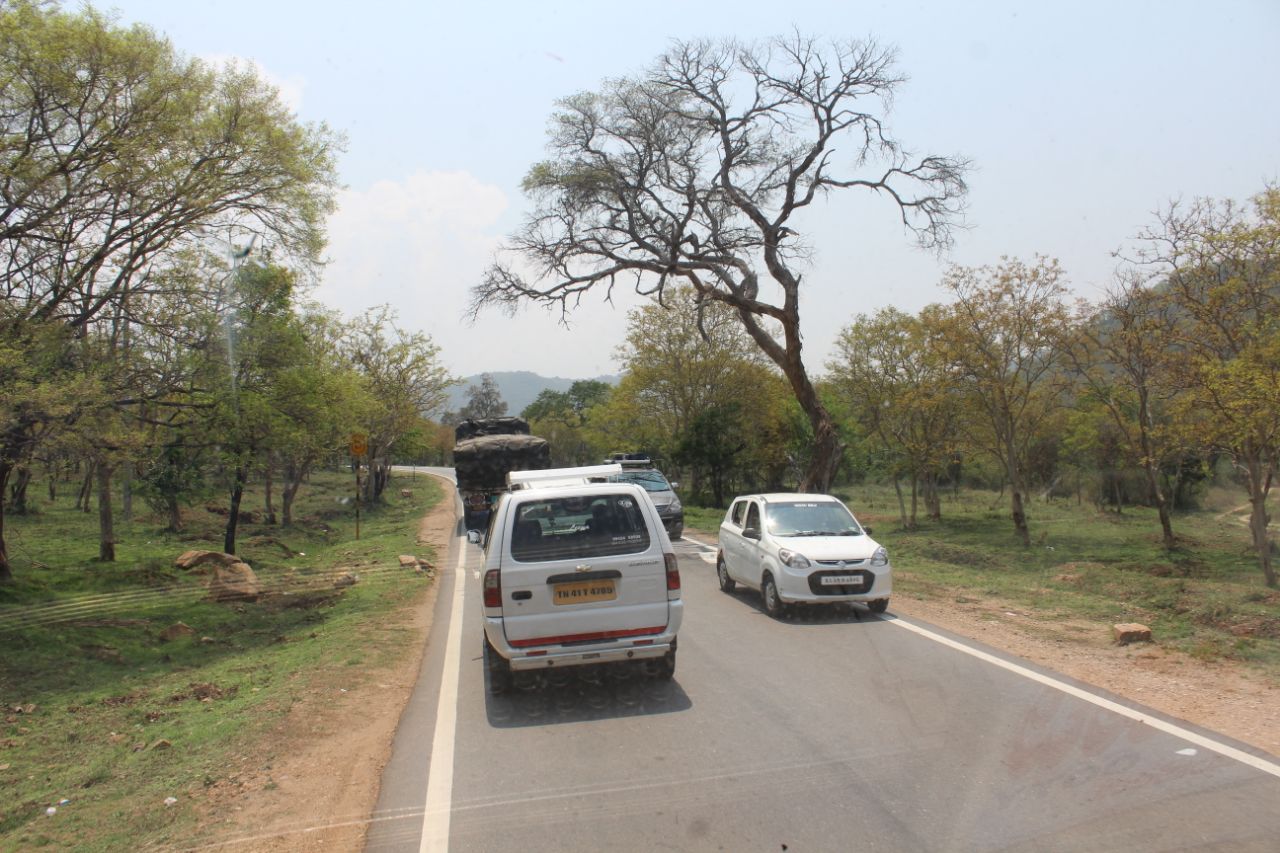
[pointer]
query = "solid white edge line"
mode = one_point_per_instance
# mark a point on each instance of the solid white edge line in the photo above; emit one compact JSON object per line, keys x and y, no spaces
{"x":1243,"y":757}
{"x":439,"y":804}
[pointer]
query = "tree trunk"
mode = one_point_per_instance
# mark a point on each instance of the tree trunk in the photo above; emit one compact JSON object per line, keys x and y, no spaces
{"x":915,"y":489}
{"x":1259,"y":482}
{"x":902,"y":504}
{"x":126,"y":492}
{"x":175,"y":513}
{"x":86,"y":490}
{"x":1162,"y":505}
{"x":1020,"y":517}
{"x":287,"y":495}
{"x":106,"y":524}
{"x":268,"y":504}
{"x":932,"y":496}
{"x":18,"y":492}
{"x":233,"y":517}
{"x":6,"y":572}
{"x":1016,"y":490}
{"x":1115,"y":490}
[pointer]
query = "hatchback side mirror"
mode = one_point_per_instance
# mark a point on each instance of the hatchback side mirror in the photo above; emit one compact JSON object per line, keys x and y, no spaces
{"x":866,"y":530}
{"x":474,"y":537}
{"x":751,"y":533}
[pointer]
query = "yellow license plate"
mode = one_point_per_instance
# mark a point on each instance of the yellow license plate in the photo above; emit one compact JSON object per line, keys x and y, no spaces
{"x":580,"y":592}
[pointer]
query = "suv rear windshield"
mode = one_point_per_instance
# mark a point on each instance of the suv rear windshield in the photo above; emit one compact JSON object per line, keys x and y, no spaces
{"x":571,"y":528}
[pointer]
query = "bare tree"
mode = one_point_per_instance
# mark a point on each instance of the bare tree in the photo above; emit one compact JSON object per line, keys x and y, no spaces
{"x":691,"y":172}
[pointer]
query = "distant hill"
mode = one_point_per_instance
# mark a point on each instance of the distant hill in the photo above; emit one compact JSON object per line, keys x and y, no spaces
{"x":519,"y":388}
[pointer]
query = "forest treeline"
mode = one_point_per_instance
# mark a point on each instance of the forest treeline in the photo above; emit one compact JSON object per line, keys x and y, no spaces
{"x":1169,"y":382}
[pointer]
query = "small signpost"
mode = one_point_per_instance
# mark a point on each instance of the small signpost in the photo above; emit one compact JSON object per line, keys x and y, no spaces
{"x":359,"y":448}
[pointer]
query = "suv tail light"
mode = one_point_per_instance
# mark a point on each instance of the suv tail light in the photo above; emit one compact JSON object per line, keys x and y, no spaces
{"x":493,"y":588}
{"x":673,"y":572}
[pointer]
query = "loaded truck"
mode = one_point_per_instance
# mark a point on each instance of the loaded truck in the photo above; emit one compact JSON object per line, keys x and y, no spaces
{"x":486,"y":450}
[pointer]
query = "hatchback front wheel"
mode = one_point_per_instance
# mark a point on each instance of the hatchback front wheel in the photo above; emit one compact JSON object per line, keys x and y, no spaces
{"x":772,"y":601}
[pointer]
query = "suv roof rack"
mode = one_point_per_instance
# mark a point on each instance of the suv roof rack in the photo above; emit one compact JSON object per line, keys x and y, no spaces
{"x":563,"y":476}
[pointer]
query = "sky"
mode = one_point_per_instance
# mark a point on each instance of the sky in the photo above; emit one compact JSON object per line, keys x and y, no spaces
{"x":1081,"y":120}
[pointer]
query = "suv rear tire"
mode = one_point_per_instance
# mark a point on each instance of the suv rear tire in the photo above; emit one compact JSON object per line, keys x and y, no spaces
{"x":499,"y":669}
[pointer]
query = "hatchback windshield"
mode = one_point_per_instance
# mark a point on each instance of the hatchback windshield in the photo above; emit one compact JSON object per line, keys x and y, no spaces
{"x":812,"y":518}
{"x":650,"y":481}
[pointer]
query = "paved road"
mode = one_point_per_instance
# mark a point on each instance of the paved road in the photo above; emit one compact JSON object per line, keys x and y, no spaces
{"x":827,"y":733}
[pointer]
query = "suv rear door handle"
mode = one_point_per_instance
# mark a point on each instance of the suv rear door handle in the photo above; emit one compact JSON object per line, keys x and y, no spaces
{"x":521,"y":595}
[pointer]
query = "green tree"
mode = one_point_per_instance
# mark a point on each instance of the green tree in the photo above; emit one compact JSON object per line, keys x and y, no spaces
{"x":403,"y":381}
{"x":893,"y":375}
{"x":713,"y":441}
{"x":1004,"y":335}
{"x":1124,"y":356}
{"x":115,"y":152}
{"x":694,"y":172}
{"x":562,"y":418}
{"x":1222,"y":267}
{"x":677,"y":364}
{"x":263,"y":340}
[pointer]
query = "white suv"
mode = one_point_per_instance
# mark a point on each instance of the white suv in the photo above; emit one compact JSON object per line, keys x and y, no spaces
{"x":801,"y":549}
{"x":578,"y":573}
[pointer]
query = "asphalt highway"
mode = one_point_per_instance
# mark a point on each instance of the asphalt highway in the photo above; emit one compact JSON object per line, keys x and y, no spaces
{"x":838,"y":730}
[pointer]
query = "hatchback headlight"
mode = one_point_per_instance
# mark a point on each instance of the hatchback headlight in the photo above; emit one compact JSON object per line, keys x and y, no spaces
{"x":675,"y":505}
{"x":880,"y":557}
{"x":793,"y":559}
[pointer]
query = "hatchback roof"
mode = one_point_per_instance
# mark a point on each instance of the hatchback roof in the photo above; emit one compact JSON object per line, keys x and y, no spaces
{"x":787,"y":497}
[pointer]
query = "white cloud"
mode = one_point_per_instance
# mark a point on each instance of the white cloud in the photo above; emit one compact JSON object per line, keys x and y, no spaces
{"x":290,"y":87}
{"x":420,"y":244}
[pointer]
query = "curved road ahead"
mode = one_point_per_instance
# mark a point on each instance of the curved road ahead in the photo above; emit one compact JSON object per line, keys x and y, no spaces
{"x":841,"y":732}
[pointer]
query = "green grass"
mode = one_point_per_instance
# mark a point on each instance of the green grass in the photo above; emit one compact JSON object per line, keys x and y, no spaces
{"x":704,"y":519}
{"x":104,"y":684}
{"x":1206,"y":598}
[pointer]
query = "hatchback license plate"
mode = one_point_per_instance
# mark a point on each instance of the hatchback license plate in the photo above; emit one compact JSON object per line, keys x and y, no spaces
{"x":841,"y":580}
{"x":581,"y":592}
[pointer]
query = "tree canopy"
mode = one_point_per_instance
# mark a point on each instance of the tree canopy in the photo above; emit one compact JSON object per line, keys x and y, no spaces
{"x":691,"y":173}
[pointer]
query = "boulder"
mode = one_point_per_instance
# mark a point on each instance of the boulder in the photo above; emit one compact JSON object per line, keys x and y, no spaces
{"x":234,"y":582}
{"x":345,"y":579}
{"x":406,"y":493}
{"x":1130,"y":632}
{"x":191,"y":559}
{"x":176,"y":630}
{"x":408,"y":561}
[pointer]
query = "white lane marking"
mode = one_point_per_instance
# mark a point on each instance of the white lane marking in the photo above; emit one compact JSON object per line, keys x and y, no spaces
{"x":439,"y":804}
{"x":707,"y":557}
{"x":1168,"y":728}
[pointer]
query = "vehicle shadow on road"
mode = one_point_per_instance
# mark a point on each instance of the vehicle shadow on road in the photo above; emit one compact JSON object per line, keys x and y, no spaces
{"x":540,"y":699}
{"x":836,"y":613}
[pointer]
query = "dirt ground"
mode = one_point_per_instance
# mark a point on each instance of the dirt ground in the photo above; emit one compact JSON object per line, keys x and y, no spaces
{"x":318,"y":790}
{"x":314,"y":784}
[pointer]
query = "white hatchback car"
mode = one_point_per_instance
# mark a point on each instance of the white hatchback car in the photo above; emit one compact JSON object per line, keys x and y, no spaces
{"x":801,"y":549}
